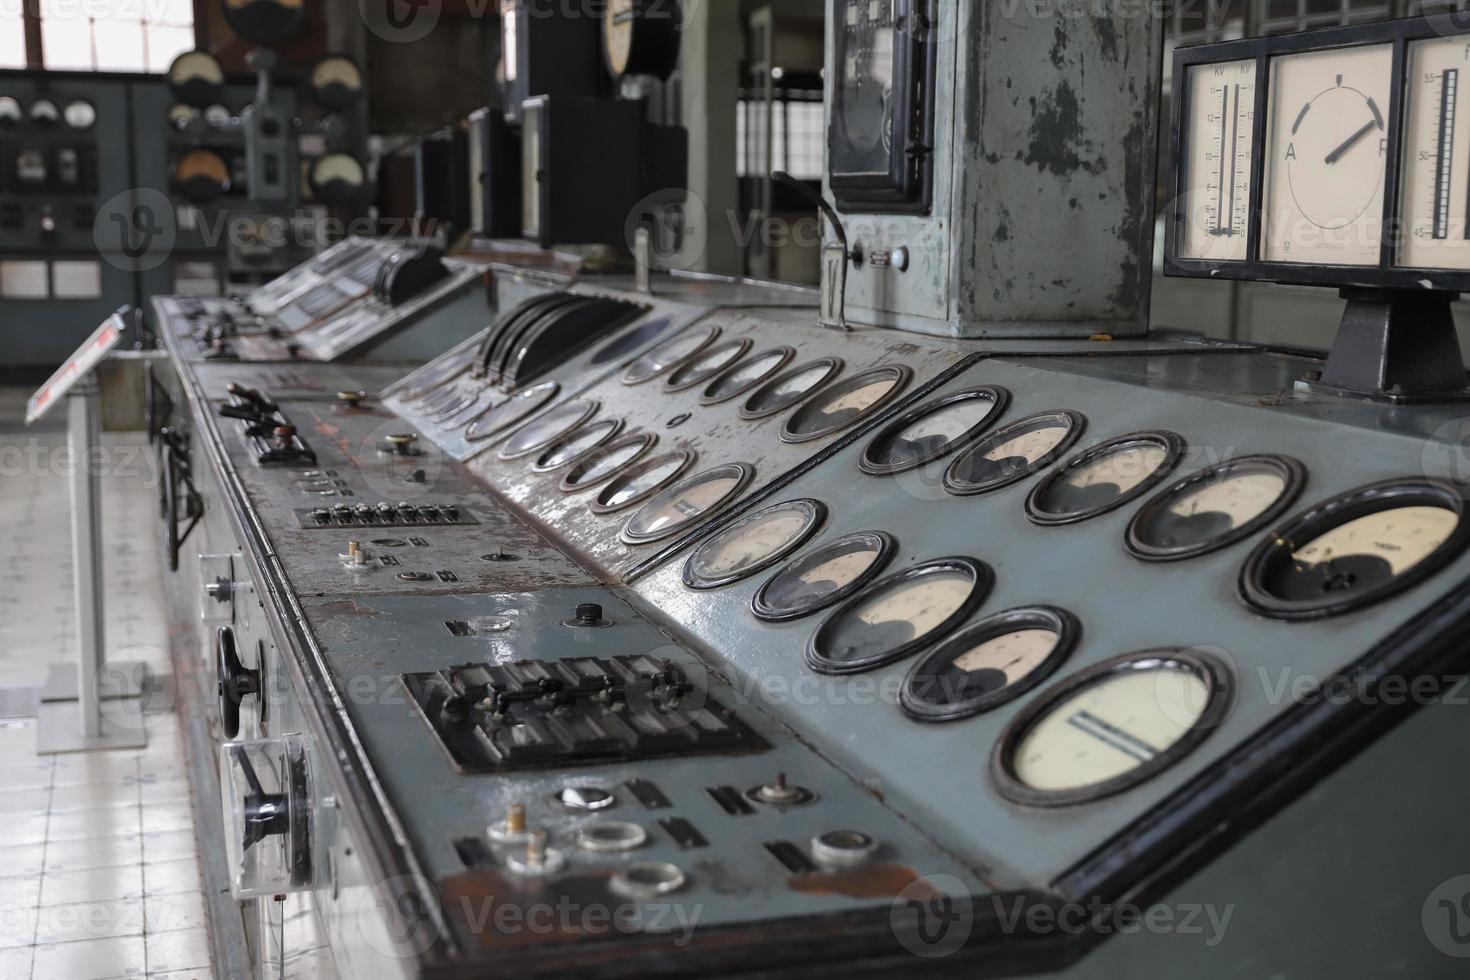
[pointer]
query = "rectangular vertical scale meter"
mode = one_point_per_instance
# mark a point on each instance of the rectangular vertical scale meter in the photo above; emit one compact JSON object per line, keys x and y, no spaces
{"x":1222,"y":101}
{"x":1436,"y":189}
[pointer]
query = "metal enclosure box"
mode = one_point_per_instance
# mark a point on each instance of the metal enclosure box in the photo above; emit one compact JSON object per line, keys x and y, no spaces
{"x":1044,"y":126}
{"x":564,"y":201}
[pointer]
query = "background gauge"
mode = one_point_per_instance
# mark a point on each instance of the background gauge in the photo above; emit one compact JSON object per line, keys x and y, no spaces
{"x":1215,"y":507}
{"x":545,"y":429}
{"x":642,"y":480}
{"x":1111,"y":727}
{"x":898,"y":616}
{"x":785,"y":390}
{"x":845,"y":403}
{"x":201,"y":175}
{"x":1014,"y":452}
{"x":669,"y":355}
{"x":933,"y":430}
{"x":708,"y":364}
{"x":825,"y":575}
{"x":44,"y":113}
{"x":1221,"y":138}
{"x":746,"y":375}
{"x":1436,"y":157}
{"x":574,"y":445}
{"x":603,"y":464}
{"x":10,"y":112}
{"x":631,"y":340}
{"x":1327,"y":151}
{"x":984,"y":666}
{"x":682,"y":506}
{"x":753,"y":543}
{"x":511,"y":412}
{"x":196,"y":79}
{"x":336,"y":179}
{"x":334,"y":82}
{"x":641,"y":37}
{"x":217,"y":115}
{"x":79,"y":114}
{"x":1356,"y":549}
{"x":1104,"y":477}
{"x":438,"y":374}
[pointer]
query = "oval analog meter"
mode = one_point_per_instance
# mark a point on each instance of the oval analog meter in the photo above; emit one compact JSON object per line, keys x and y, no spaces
{"x":711,"y":362}
{"x":933,"y":430}
{"x":746,"y":375}
{"x":1104,"y":478}
{"x":605,"y":462}
{"x":577,"y":444}
{"x":845,"y":403}
{"x":789,"y":388}
{"x":670,"y":354}
{"x":753,"y":543}
{"x":1111,"y":727}
{"x":1356,"y":549}
{"x":899,"y":615}
{"x":636,"y":483}
{"x":988,"y":664}
{"x":547,"y":428}
{"x":512,"y":412}
{"x":681,"y":507}
{"x":1214,"y":508}
{"x":1013,"y":452}
{"x":824,"y":575}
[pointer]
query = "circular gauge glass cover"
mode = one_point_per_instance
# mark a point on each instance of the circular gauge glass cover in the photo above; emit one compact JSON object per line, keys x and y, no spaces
{"x":545,"y":429}
{"x":80,"y":114}
{"x":605,"y":462}
{"x":746,"y":375}
{"x":789,"y":388}
{"x":1356,"y":549}
{"x":1104,"y":478}
{"x":827,"y":574}
{"x":753,"y":543}
{"x":845,"y":403}
{"x":437,"y":375}
{"x":988,"y":664}
{"x":196,"y":79}
{"x":1013,"y":452}
{"x":335,"y":81}
{"x":1215,"y":507}
{"x":898,"y":616}
{"x":10,"y":112}
{"x":1111,"y":727}
{"x":640,"y":481}
{"x":933,"y":430}
{"x":575,"y":445}
{"x":670,"y":354}
{"x":459,"y":409}
{"x":708,"y":364}
{"x":683,"y":506}
{"x":511,"y":412}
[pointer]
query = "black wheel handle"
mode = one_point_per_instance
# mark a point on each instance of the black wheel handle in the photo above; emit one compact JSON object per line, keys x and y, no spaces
{"x":236,"y":681}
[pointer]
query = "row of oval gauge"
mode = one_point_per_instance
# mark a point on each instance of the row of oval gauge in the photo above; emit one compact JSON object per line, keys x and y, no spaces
{"x":78,"y":114}
{"x":1096,"y":733}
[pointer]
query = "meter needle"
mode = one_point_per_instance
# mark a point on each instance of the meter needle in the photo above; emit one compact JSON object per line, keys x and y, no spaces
{"x":1352,"y":141}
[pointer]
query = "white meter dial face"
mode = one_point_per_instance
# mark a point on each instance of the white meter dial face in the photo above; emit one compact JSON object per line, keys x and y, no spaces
{"x":1221,"y":134}
{"x":1436,"y":158}
{"x":1327,"y":152}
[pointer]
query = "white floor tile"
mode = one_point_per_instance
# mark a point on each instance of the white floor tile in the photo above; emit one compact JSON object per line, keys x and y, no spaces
{"x":171,"y":878}
{"x":104,"y":852}
{"x":85,"y":921}
{"x":167,"y":913}
{"x":91,"y":885}
{"x":180,"y":950}
{"x":92,"y":959}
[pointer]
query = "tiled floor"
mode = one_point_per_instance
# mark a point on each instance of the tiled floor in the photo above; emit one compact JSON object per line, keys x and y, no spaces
{"x":98,"y":871}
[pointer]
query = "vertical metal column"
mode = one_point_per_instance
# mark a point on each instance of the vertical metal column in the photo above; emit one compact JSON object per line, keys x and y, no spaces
{"x":86,"y":550}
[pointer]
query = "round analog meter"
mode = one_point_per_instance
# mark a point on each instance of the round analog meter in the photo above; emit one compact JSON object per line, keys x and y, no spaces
{"x":636,"y":483}
{"x":898,"y":616}
{"x":1104,"y":478}
{"x":217,"y":115}
{"x":1014,"y":452}
{"x":603,"y":463}
{"x":1356,"y":549}
{"x":1215,"y":507}
{"x":574,"y":445}
{"x":80,"y":114}
{"x":753,"y":543}
{"x":1110,"y":727}
{"x":670,"y":354}
{"x":201,"y":175}
{"x":511,"y":412}
{"x":746,"y":375}
{"x":335,"y":82}
{"x":789,"y":388}
{"x":10,"y":112}
{"x":933,"y":430}
{"x":683,"y":506}
{"x":45,"y":113}
{"x":641,"y":37}
{"x":988,"y":664}
{"x":708,"y":364}
{"x":336,"y":179}
{"x":822,"y":576}
{"x":547,"y":428}
{"x":196,"y":79}
{"x":845,"y":403}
